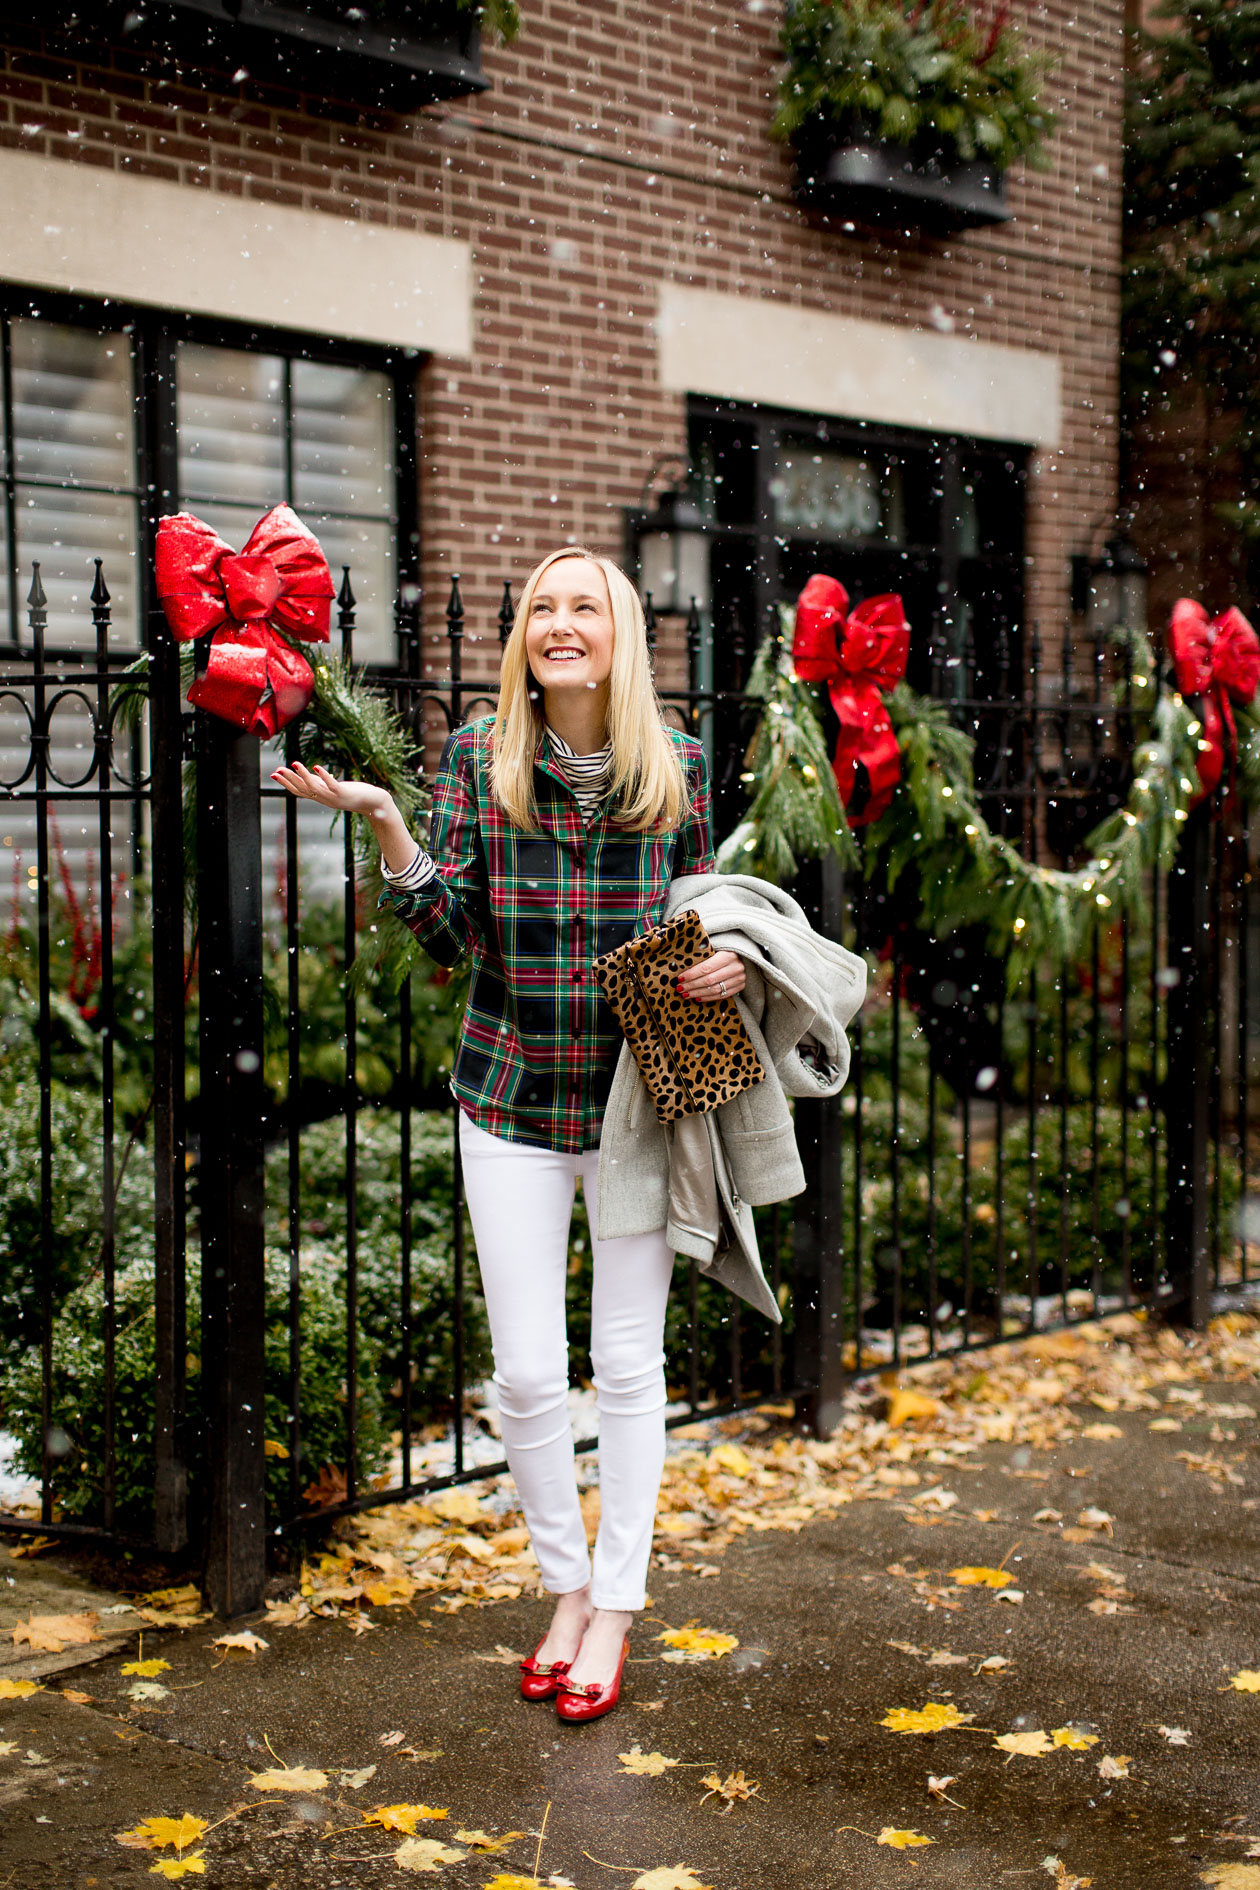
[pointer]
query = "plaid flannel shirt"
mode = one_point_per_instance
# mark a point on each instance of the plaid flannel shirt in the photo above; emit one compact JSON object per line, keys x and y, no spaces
{"x":539,"y":1045}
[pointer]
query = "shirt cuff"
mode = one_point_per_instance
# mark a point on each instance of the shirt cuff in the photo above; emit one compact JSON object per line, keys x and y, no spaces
{"x":412,"y":877}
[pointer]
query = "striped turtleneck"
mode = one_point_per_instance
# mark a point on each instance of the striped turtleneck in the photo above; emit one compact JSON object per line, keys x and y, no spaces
{"x":587,"y":775}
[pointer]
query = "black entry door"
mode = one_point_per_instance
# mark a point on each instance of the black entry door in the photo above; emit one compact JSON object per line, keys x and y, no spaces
{"x":941,"y":521}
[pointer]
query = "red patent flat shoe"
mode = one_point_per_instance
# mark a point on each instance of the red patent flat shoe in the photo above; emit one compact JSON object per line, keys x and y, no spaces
{"x":542,"y":1681}
{"x":576,"y":1704}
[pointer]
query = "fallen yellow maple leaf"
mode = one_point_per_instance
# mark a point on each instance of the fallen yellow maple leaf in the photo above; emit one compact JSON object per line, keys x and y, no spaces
{"x":186,"y":1599}
{"x":391,"y":1592}
{"x":425,"y":1854}
{"x":904,"y":1405}
{"x":1065,"y":1879}
{"x":402,"y":1817}
{"x":512,"y":1883}
{"x":272,"y":1447}
{"x":146,"y":1669}
{"x":731,"y":1457}
{"x":1246,"y":1681}
{"x":679,"y":1878}
{"x":194,"y":1865}
{"x":936,"y":1716}
{"x":459,"y":1506}
{"x":901,"y":1840}
{"x":246,"y":1642}
{"x":52,"y":1633}
{"x":708,"y":1643}
{"x":1232,"y":1876}
{"x":18,"y":1689}
{"x":734,"y":1788}
{"x":1074,"y":1741}
{"x":162,"y":1834}
{"x":980,"y":1577}
{"x":1115,"y":1765}
{"x":1028,"y":1745}
{"x":482,"y":1840}
{"x":289,"y":1778}
{"x":644,"y":1764}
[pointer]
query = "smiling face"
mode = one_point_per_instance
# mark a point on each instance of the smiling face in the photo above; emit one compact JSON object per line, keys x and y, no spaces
{"x":569,"y":636}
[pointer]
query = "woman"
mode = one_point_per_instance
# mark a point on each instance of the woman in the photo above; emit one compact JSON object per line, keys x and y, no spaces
{"x":557,"y":828}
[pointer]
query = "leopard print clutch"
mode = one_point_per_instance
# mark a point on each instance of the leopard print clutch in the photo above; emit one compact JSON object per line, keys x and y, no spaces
{"x":691,"y":1056}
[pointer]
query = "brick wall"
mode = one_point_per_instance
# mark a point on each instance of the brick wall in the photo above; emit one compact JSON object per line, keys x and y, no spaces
{"x":619,"y":147}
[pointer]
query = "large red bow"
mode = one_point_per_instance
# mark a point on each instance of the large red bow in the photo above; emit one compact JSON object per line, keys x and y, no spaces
{"x":1217,"y":659}
{"x":279,"y":583}
{"x":856,"y":655}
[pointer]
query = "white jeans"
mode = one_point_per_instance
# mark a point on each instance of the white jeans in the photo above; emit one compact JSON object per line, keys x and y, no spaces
{"x":520,"y":1201}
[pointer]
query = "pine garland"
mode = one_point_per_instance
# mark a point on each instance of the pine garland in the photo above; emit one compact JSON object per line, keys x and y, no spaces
{"x":350,"y":724}
{"x":967,"y":874}
{"x":796,"y":811}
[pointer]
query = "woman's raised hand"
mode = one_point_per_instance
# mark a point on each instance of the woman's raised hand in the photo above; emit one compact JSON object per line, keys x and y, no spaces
{"x":347,"y":797}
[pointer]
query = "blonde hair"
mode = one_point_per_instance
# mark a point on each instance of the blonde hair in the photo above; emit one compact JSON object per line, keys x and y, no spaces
{"x":648,"y":783}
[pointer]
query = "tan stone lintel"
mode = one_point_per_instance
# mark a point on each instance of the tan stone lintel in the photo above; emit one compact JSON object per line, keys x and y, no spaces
{"x":96,"y":232}
{"x":740,"y":347}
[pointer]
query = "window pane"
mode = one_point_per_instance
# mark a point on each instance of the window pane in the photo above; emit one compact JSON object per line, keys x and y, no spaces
{"x":836,"y":494}
{"x":231,"y":426}
{"x":233,"y":523}
{"x":369,"y":552}
{"x":367,"y":549}
{"x":66,"y":531}
{"x":343,"y":439}
{"x":72,"y":405}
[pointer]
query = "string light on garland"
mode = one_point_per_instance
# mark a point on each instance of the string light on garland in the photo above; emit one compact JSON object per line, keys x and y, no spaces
{"x":933,"y":824}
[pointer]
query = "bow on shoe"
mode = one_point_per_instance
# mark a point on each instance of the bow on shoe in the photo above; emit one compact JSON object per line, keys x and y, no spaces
{"x":857,"y":655}
{"x":1217,"y":659}
{"x":249,"y":603}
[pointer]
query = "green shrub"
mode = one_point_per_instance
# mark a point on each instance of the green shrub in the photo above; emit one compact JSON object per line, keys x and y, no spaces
{"x":77,"y":1220}
{"x":78,"y":1392}
{"x":322,"y":1170}
{"x":436,"y":1008}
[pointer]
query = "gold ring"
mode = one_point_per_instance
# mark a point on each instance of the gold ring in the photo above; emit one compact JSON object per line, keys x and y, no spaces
{"x":721,"y":989}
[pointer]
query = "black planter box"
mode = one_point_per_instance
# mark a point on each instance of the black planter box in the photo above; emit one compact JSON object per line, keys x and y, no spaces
{"x":393,"y":57}
{"x":875,"y":181}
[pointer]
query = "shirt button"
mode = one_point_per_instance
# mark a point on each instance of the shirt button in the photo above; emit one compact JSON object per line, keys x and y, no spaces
{"x":577,"y":977}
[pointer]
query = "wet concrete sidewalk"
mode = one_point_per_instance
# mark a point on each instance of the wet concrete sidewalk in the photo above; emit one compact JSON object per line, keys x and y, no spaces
{"x":1129,"y":1638}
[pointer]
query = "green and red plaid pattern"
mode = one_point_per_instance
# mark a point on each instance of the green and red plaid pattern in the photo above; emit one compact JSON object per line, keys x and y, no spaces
{"x":539,"y":1045}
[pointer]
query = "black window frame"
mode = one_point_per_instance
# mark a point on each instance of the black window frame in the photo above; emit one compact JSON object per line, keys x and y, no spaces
{"x":156,"y":334}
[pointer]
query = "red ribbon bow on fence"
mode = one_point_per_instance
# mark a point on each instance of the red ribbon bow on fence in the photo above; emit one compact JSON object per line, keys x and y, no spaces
{"x":857,"y":656}
{"x":1217,"y":659}
{"x":278,"y":587}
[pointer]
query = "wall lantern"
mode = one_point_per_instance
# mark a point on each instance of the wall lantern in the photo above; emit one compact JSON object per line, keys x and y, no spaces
{"x":672,"y":543}
{"x":1111,"y":589}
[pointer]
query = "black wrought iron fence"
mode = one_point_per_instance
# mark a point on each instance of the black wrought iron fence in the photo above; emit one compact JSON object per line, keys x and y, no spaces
{"x":274,"y":1298}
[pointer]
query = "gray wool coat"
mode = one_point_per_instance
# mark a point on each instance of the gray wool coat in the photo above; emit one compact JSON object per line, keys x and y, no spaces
{"x":700,"y":1178}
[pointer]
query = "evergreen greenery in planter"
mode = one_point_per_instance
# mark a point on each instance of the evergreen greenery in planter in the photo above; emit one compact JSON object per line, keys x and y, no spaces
{"x":940,"y":76}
